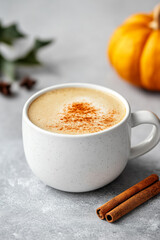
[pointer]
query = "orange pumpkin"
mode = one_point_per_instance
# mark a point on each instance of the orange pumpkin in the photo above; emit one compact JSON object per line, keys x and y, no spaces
{"x":134,"y":50}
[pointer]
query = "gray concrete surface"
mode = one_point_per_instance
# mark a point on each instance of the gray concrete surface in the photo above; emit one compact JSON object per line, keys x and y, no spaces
{"x":29,"y":210}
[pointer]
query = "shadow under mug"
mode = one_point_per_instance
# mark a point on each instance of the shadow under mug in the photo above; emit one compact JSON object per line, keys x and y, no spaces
{"x":79,"y":163}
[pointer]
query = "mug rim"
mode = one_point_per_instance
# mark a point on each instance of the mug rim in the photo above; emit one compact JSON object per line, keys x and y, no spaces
{"x":78,"y":85}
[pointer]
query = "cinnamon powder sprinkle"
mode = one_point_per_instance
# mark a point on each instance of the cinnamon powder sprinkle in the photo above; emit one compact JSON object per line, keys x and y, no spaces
{"x":83,"y":117}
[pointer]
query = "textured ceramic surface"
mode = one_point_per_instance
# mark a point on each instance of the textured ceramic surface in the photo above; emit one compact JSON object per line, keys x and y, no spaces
{"x":80,"y":163}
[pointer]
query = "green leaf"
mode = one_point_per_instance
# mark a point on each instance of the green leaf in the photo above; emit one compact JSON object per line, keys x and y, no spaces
{"x":10,"y":33}
{"x":30,"y":58}
{"x":41,"y":43}
{"x":7,"y":68}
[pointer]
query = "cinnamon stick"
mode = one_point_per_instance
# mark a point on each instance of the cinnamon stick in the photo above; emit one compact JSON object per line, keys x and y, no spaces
{"x":133,"y":202}
{"x":105,"y":208}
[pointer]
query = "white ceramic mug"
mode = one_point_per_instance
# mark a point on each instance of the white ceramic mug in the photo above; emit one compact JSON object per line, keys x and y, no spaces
{"x":79,"y":163}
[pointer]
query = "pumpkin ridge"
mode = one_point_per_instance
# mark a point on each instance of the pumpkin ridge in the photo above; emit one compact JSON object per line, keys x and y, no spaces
{"x":139,"y":18}
{"x":124,"y":29}
{"x":129,"y":69}
{"x":151,"y":79}
{"x":139,"y":62}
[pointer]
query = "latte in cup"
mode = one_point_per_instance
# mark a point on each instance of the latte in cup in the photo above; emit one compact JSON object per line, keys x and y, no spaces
{"x":76,"y":111}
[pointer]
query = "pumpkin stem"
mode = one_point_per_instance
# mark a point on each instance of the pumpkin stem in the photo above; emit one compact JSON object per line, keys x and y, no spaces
{"x":155,"y":24}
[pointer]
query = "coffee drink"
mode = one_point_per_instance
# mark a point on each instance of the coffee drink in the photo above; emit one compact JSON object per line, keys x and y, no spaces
{"x":76,"y":111}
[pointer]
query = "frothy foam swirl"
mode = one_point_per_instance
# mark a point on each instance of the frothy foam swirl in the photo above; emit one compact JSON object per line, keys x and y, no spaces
{"x":83,"y":116}
{"x":76,"y":111}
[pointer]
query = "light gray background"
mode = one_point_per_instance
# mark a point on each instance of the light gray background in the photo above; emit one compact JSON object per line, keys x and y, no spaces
{"x":28,"y":209}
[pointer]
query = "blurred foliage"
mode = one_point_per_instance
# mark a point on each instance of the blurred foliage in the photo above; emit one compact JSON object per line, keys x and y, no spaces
{"x":8,"y":35}
{"x":30,"y":58}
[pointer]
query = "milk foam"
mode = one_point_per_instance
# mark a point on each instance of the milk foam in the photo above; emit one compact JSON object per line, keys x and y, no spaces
{"x":76,"y":111}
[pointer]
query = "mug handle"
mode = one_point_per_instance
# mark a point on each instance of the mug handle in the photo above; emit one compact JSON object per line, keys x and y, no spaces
{"x":142,"y":117}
